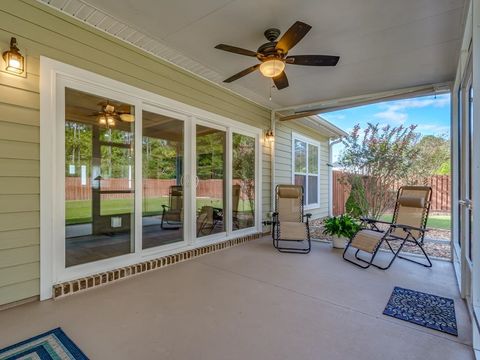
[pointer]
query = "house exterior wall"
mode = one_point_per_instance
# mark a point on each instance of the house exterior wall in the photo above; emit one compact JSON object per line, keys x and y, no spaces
{"x":42,"y":31}
{"x":283,"y":161}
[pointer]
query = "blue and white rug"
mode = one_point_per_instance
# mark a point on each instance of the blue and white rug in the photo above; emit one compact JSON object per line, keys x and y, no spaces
{"x":431,"y":311}
{"x":53,"y":344}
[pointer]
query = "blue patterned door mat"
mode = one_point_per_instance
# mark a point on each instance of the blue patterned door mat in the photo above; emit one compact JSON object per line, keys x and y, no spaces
{"x":432,"y":311}
{"x":53,"y":344}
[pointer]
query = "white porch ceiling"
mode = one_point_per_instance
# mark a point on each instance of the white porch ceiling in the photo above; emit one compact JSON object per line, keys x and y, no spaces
{"x":383,"y":44}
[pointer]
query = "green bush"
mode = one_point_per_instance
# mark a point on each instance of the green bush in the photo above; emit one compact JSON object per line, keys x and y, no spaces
{"x":341,"y":226}
{"x":356,"y":204}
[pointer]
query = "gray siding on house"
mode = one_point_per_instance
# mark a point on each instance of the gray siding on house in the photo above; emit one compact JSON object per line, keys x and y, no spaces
{"x":283,"y":161}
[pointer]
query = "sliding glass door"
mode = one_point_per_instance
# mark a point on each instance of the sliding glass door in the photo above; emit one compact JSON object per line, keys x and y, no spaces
{"x":129,"y":176}
{"x":162,"y":183}
{"x":99,"y":178}
{"x":210,"y":181}
{"x":243,"y":181}
{"x":141,"y":179}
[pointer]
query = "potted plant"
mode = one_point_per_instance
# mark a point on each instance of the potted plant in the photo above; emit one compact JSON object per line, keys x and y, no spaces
{"x":340,"y":228}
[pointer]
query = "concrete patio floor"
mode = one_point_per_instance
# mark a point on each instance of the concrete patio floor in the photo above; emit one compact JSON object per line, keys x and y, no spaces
{"x":251,"y":302}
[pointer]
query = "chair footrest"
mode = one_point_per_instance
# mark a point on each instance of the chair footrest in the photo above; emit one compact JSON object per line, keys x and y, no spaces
{"x":292,"y":230}
{"x":367,"y":240}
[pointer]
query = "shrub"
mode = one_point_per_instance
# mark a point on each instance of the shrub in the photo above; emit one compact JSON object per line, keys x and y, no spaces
{"x":356,"y":204}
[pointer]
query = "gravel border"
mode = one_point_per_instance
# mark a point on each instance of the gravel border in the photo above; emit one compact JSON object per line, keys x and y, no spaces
{"x":437,"y":243}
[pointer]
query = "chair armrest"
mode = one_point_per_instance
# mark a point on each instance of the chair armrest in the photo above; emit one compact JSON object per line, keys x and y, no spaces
{"x":308,"y":216}
{"x":371,"y":221}
{"x":408,"y":227}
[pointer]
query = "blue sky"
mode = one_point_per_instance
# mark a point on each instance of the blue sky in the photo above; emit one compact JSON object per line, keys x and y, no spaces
{"x":431,"y":114}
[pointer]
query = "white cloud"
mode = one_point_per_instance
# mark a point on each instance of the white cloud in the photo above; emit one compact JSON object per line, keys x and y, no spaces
{"x":433,"y":128}
{"x":392,"y":116}
{"x":396,"y":111}
{"x":439,"y":101}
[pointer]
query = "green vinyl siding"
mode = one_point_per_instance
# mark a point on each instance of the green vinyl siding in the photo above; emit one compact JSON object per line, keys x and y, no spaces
{"x":43,"y":31}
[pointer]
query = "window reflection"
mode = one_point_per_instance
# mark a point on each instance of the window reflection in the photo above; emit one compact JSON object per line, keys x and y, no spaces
{"x":210,"y":145}
{"x":99,"y":178}
{"x":162,"y":204}
{"x":243,"y":188}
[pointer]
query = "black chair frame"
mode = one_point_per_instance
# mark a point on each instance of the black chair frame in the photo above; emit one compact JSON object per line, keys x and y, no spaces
{"x":388,"y":237}
{"x":276,"y":229}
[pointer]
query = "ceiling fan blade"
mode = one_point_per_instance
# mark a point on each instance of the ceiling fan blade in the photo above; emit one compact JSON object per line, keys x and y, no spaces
{"x":293,"y":35}
{"x":236,"y":50}
{"x":242,"y":73}
{"x":313,"y":60}
{"x":281,"y":81}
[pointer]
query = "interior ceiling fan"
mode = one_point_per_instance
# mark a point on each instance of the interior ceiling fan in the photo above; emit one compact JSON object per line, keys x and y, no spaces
{"x":110,"y":113}
{"x":273,"y":55}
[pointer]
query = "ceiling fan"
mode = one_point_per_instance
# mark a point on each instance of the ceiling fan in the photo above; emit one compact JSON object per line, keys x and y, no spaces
{"x":109,"y":114}
{"x":273,"y":55}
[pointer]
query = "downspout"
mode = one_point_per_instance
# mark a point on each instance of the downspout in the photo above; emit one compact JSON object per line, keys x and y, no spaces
{"x":272,"y":161}
{"x":330,"y":175}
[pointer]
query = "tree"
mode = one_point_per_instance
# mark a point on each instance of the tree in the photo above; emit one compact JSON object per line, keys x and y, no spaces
{"x":243,"y":166}
{"x":381,"y":157}
{"x":433,"y":157}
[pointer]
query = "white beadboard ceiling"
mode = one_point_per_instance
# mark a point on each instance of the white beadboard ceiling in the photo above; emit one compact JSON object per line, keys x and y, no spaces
{"x":383,"y":44}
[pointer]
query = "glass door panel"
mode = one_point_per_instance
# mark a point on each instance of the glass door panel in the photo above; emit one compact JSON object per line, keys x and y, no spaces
{"x":468,"y":172}
{"x":99,"y":176}
{"x":210,"y":182}
{"x":465,"y":165}
{"x":243,"y":181}
{"x":163,"y":200}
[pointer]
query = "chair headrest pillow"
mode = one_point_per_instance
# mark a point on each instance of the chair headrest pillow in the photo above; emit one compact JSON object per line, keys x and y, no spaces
{"x":291,"y":193}
{"x":412,"y":201}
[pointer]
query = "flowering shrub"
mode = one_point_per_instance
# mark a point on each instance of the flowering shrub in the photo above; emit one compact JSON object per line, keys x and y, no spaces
{"x":377,"y":159}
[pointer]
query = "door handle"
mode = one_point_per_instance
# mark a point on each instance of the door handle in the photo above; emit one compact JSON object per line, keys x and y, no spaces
{"x":466,"y":202}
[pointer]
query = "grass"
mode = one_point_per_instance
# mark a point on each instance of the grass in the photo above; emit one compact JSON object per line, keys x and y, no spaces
{"x":80,"y":211}
{"x":434,"y":221}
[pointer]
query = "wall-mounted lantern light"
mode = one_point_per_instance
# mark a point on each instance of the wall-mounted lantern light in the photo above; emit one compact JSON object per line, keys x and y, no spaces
{"x":269,"y":136}
{"x":15,"y":62}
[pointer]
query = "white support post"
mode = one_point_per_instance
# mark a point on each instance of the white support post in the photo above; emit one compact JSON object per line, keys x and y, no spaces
{"x":272,"y":159}
{"x":475,"y":169}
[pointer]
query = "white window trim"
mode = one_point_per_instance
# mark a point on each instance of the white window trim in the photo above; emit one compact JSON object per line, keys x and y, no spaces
{"x":52,"y":228}
{"x":308,"y":141}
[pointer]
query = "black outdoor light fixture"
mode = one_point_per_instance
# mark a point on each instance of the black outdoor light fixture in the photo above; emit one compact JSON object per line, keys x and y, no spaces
{"x":15,"y":62}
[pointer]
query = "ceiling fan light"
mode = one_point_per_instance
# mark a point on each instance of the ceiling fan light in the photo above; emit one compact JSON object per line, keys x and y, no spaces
{"x":102,"y":120}
{"x":109,"y":108}
{"x":272,"y":68}
{"x":127,"y":117}
{"x":110,"y":121}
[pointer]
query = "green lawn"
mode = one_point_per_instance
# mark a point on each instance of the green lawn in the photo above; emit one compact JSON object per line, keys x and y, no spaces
{"x":434,"y":221}
{"x":80,"y":211}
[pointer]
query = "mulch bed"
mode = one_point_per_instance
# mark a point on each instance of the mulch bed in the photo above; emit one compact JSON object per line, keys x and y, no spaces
{"x":437,"y":242}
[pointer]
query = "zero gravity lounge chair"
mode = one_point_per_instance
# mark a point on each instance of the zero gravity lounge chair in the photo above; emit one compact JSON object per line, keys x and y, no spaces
{"x":172,"y":213}
{"x":289,"y":222}
{"x":407,"y":227}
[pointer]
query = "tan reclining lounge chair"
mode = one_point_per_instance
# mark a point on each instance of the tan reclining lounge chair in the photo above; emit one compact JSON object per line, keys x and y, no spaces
{"x":408,"y":226}
{"x":172,"y":213}
{"x":289,"y":224}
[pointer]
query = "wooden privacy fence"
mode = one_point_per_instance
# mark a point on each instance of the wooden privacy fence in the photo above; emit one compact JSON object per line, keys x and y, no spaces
{"x":74,"y":190}
{"x":441,"y":195}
